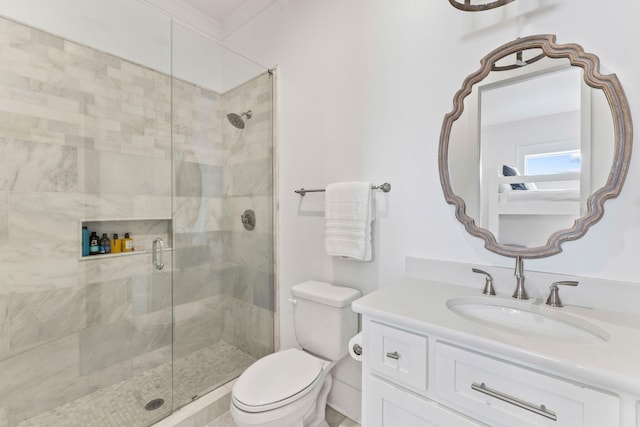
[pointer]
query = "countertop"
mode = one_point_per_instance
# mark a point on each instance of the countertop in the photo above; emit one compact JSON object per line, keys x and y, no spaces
{"x":421,"y":305}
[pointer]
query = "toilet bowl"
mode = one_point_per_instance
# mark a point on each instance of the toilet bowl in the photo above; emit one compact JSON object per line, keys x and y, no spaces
{"x":289,"y":388}
{"x":285,"y":389}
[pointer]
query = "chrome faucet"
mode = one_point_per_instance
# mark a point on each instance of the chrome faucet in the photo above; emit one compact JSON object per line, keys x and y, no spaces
{"x":519,"y":293}
{"x":488,"y":283}
{"x":554,"y":297}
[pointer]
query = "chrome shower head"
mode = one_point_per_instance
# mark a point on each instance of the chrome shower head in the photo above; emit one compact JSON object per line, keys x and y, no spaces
{"x":236,"y":119}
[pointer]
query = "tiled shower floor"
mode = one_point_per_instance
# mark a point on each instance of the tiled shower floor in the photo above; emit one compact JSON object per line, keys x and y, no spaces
{"x":122,"y":404}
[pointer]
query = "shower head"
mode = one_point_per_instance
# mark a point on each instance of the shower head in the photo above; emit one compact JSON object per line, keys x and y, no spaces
{"x":236,"y":119}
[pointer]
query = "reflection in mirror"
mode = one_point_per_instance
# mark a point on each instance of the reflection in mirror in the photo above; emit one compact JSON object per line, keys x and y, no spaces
{"x":534,"y":146}
{"x":537,"y":121}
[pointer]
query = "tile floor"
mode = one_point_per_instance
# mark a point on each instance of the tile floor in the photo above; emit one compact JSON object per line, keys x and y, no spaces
{"x":122,"y":404}
{"x":334,"y":419}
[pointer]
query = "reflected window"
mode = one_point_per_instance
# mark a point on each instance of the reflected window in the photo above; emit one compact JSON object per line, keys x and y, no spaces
{"x":551,"y":163}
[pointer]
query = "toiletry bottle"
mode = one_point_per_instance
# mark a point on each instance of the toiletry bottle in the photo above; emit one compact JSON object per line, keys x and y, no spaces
{"x":101,"y":248}
{"x":94,"y":244}
{"x":127,"y":243}
{"x":85,"y":241}
{"x":105,"y":244}
{"x":116,"y":244}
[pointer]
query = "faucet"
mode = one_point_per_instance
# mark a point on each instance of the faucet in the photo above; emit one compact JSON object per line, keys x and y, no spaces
{"x":519,"y":293}
{"x":488,"y":284}
{"x":554,"y":297}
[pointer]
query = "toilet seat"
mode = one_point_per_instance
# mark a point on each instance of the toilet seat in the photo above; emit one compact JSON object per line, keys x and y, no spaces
{"x":277,"y":380}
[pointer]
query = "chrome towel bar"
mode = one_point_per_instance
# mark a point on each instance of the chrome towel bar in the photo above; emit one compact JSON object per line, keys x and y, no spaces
{"x":386,"y":187}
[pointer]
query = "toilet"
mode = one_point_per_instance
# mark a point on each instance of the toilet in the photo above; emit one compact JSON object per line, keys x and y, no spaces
{"x":289,"y":388}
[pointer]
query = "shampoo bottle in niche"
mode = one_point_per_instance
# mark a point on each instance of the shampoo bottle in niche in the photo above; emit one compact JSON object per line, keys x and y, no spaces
{"x":116,"y":244}
{"x":85,"y":241}
{"x":105,"y":244}
{"x":94,"y":244}
{"x":127,"y":243}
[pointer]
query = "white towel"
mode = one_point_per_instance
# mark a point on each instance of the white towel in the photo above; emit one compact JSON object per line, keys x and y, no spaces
{"x":348,"y":217}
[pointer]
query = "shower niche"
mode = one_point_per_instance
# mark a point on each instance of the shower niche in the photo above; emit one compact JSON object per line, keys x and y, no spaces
{"x":142,"y":233}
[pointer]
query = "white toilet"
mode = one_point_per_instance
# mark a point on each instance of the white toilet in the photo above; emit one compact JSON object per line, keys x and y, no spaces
{"x":289,"y":388}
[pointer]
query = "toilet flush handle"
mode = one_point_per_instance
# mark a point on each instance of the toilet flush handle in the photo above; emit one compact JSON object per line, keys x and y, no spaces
{"x":293,"y":301}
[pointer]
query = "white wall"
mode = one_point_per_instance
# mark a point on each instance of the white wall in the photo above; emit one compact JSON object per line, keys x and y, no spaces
{"x":364,"y":86}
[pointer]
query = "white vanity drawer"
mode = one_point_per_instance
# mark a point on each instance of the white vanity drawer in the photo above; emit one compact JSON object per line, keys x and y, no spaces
{"x":398,"y":355}
{"x":510,"y":395}
{"x":387,"y":406}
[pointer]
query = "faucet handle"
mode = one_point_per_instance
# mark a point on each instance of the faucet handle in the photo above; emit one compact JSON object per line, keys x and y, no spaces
{"x":554,"y":297}
{"x":488,"y":284}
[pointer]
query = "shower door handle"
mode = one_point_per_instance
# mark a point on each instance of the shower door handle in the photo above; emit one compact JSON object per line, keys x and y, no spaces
{"x":158,"y":248}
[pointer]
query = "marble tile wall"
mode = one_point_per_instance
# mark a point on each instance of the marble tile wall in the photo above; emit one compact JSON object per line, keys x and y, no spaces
{"x":87,"y":136}
{"x":248,"y":184}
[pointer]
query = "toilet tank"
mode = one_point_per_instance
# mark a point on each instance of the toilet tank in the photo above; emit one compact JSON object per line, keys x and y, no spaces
{"x":323,"y":319}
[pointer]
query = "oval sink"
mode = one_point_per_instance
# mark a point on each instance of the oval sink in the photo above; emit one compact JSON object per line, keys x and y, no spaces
{"x":526,"y":318}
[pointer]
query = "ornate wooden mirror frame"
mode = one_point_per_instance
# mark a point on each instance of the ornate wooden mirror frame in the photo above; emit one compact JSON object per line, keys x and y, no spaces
{"x":622,"y":125}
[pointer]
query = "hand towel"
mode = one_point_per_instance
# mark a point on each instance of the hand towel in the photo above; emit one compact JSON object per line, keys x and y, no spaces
{"x":348,"y":217}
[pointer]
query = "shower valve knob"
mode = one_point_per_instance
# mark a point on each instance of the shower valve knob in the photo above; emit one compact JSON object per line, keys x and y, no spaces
{"x":248,"y":219}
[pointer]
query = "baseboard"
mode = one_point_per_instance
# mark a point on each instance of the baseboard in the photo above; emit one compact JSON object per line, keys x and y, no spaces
{"x":346,"y":399}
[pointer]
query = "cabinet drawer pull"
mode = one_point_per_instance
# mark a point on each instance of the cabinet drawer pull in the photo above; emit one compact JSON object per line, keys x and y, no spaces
{"x":395,"y":355}
{"x":540,"y":410}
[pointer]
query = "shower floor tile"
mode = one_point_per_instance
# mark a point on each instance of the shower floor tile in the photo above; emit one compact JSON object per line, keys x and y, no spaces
{"x":122,"y":404}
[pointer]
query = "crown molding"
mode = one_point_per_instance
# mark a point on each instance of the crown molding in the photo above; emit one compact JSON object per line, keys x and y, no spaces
{"x":183,"y":12}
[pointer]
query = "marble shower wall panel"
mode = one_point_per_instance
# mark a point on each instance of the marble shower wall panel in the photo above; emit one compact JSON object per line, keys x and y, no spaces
{"x":4,"y":217}
{"x":193,"y":214}
{"x":37,"y":167}
{"x":37,"y":317}
{"x":4,"y":324}
{"x":248,"y":184}
{"x":249,"y":328}
{"x":255,"y":140}
{"x":198,"y":180}
{"x":117,"y":173}
{"x":197,"y":120}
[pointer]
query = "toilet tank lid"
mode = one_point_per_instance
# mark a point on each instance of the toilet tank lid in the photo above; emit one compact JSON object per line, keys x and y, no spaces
{"x":325,"y":293}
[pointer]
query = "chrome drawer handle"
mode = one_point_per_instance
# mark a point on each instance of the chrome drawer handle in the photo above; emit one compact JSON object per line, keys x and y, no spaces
{"x":540,"y":410}
{"x":395,"y":355}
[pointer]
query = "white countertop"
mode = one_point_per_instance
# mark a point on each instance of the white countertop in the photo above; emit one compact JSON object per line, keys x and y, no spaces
{"x":420,"y":305}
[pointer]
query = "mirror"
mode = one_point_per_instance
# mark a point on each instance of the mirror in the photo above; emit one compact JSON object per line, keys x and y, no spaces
{"x":537,"y":140}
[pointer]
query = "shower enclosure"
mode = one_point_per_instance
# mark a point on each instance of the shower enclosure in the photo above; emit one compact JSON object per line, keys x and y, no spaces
{"x":91,"y":139}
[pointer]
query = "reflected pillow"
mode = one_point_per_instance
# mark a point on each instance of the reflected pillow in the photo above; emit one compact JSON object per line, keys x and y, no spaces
{"x":504,"y":188}
{"x":510,"y":170}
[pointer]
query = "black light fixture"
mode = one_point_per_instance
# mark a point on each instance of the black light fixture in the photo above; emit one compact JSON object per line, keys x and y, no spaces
{"x":479,"y":6}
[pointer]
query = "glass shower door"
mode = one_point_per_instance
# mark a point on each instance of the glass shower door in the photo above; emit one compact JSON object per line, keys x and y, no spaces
{"x":85,"y":141}
{"x":222,"y":110}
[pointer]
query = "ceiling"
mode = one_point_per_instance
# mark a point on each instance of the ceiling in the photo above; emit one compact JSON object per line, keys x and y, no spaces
{"x":227,"y":15}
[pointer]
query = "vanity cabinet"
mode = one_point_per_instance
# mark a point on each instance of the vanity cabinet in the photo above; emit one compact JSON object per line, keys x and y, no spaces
{"x":425,"y":364}
{"x":415,"y":379}
{"x":513,"y":395}
{"x":386,"y":405}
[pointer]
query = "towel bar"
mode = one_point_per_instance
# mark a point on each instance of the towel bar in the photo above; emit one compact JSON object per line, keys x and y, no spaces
{"x":386,"y":187}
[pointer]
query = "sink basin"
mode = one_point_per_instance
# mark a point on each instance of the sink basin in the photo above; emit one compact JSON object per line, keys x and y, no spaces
{"x":527,"y":318}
